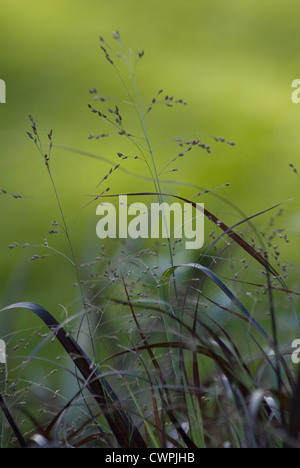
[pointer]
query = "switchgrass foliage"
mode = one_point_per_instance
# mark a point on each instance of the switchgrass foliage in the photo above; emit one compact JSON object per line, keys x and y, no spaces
{"x":175,"y":351}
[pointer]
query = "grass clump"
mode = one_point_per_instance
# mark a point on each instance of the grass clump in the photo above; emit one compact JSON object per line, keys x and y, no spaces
{"x":176,"y":349}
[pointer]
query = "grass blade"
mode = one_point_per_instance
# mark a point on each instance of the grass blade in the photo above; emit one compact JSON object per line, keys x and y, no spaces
{"x":12,"y":423}
{"x":170,"y":413}
{"x":165,"y":277}
{"x":120,"y":423}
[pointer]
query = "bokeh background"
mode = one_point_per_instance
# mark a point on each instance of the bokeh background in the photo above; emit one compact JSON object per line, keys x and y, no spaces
{"x":232,"y":61}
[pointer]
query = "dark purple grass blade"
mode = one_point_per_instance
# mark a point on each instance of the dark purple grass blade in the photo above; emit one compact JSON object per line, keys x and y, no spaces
{"x":12,"y":423}
{"x":165,"y":277}
{"x":189,"y":443}
{"x":120,"y":423}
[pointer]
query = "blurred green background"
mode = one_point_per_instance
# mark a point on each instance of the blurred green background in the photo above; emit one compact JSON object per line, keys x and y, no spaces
{"x":232,"y":61}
